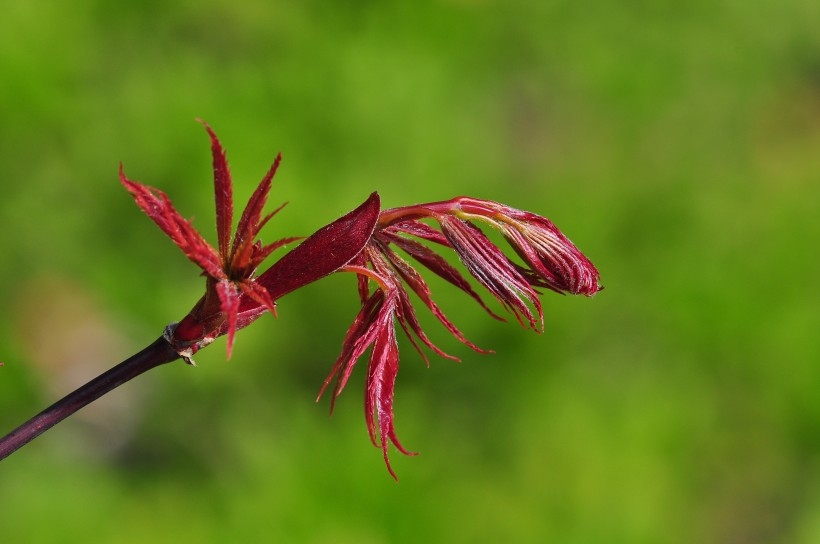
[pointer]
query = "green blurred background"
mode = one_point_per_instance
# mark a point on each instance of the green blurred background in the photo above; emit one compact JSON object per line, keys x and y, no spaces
{"x":678,"y":144}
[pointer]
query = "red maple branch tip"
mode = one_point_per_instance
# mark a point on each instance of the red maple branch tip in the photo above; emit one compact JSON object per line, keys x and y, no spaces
{"x":384,"y":248}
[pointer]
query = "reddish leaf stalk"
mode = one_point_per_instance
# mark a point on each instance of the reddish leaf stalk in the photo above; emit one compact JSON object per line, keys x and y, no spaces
{"x":158,"y":353}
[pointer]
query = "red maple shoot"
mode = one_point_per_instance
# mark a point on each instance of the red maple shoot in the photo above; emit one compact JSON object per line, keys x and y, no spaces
{"x":375,"y":245}
{"x":234,"y":297}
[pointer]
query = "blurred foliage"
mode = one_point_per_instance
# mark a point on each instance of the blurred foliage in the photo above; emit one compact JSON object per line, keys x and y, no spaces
{"x":675,"y":142}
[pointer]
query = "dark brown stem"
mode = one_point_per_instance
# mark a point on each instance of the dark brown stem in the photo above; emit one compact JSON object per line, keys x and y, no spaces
{"x":158,"y":353}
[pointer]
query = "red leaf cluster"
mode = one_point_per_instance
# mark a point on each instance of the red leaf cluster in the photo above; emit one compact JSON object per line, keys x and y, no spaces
{"x":552,"y":261}
{"x":234,"y":296}
{"x":365,"y":242}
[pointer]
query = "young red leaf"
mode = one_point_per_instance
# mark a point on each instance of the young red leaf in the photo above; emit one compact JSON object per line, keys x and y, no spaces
{"x":229,"y":300}
{"x":324,"y":252}
{"x":491,"y":268}
{"x":359,"y":336}
{"x":436,"y":264}
{"x":250,"y":223}
{"x":380,"y":386}
{"x":159,"y":208}
{"x":412,"y":278}
{"x":223,"y":192}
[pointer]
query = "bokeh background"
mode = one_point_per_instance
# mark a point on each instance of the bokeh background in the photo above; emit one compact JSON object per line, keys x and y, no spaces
{"x":677,"y":143}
